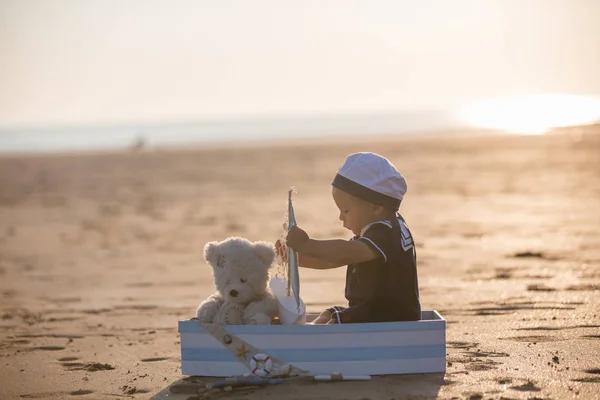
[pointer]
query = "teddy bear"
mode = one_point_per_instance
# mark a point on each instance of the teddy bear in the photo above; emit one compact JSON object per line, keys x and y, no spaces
{"x":241,"y":275}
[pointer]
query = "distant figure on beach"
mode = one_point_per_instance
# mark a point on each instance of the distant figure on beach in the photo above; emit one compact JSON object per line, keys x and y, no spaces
{"x":381,"y":278}
{"x":138,"y":145}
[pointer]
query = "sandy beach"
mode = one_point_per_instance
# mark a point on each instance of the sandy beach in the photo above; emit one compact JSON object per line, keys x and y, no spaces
{"x":101,"y":255}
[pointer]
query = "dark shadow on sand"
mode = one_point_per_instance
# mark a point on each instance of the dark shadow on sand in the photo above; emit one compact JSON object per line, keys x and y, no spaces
{"x":389,"y":386}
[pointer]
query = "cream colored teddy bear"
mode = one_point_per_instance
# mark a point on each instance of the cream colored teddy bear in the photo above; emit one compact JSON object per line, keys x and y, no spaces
{"x":241,"y":274}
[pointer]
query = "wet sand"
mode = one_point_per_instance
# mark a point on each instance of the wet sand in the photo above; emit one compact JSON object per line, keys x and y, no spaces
{"x":101,"y":255}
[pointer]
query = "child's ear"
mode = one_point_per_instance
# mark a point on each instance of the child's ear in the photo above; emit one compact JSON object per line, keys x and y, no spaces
{"x":210,"y":250}
{"x":265,"y":252}
{"x":379,"y":210}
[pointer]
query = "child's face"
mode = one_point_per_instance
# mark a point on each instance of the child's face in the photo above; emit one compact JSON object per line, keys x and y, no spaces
{"x":355,"y":213}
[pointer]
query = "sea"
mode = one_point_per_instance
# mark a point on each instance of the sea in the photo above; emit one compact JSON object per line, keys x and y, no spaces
{"x":219,"y":131}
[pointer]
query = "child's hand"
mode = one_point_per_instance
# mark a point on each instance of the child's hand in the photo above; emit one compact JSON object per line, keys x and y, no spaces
{"x":281,"y":250}
{"x":296,"y":238}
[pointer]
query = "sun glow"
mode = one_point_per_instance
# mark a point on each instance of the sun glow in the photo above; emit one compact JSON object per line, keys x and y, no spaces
{"x":533,"y":114}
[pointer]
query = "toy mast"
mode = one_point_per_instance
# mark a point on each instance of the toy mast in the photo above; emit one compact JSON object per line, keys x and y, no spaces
{"x":293,"y":279}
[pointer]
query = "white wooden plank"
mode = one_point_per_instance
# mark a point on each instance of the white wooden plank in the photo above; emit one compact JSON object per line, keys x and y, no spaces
{"x":384,"y":367}
{"x":318,"y":341}
{"x":436,"y":323}
{"x":343,"y":354}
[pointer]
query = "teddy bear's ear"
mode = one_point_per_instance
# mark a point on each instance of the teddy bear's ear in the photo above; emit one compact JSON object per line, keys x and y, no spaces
{"x":265,"y":252}
{"x":210,"y":250}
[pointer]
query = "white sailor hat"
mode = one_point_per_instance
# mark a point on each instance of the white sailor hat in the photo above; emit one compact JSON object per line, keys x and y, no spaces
{"x":373,"y":178}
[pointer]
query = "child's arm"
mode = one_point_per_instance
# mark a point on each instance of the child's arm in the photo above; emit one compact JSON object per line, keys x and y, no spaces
{"x":336,"y":251}
{"x":306,"y":261}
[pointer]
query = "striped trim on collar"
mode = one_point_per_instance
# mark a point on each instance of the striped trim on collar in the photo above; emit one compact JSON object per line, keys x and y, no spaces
{"x":407,"y":239}
{"x":386,"y":223}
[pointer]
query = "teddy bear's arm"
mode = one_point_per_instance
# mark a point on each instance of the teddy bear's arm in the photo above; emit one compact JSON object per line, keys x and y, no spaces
{"x":209,"y":308}
{"x":230,"y":314}
{"x":261,"y":312}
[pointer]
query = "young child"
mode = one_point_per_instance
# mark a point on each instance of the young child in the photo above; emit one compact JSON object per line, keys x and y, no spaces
{"x":381,"y":279}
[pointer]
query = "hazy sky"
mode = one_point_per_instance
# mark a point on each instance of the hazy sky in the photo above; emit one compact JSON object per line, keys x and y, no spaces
{"x":96,"y":61}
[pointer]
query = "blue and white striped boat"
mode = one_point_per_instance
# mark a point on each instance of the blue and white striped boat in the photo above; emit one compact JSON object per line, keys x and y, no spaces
{"x":349,"y":349}
{"x":364,"y":349}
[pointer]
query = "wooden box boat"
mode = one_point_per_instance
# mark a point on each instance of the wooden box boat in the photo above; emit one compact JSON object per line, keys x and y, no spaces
{"x":303,"y":349}
{"x":349,"y":349}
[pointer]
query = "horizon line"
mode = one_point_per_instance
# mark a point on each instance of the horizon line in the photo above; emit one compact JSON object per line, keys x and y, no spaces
{"x":235,"y":118}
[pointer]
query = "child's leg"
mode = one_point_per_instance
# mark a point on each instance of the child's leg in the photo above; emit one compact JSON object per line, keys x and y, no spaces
{"x":326,"y":315}
{"x":323,"y":318}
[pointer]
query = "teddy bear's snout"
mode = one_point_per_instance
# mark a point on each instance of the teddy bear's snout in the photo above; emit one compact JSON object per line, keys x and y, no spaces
{"x":233,"y":293}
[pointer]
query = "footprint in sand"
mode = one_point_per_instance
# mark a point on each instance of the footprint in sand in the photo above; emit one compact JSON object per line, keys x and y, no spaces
{"x":481,"y":366}
{"x":154,"y":359}
{"x":584,"y":287}
{"x":533,"y":254}
{"x":511,"y":309}
{"x":63,"y":319}
{"x":503,"y":274}
{"x":462,"y":345}
{"x":96,"y":366}
{"x":540,"y":287}
{"x":67,"y":359}
{"x":81,"y":392}
{"x":479,"y":353}
{"x":589,"y":379}
{"x":18,"y":341}
{"x":539,"y":328}
{"x":90,"y":367}
{"x":527,"y":387}
{"x":51,"y":335}
{"x":48,"y":348}
{"x":73,"y":366}
{"x":43,"y":395}
{"x":95,"y":311}
{"x":593,"y":371}
{"x":134,"y":390}
{"x":591,"y":336}
{"x":531,"y":339}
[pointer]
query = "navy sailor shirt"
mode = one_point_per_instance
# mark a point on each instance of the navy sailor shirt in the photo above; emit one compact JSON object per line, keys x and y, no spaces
{"x":386,"y":288}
